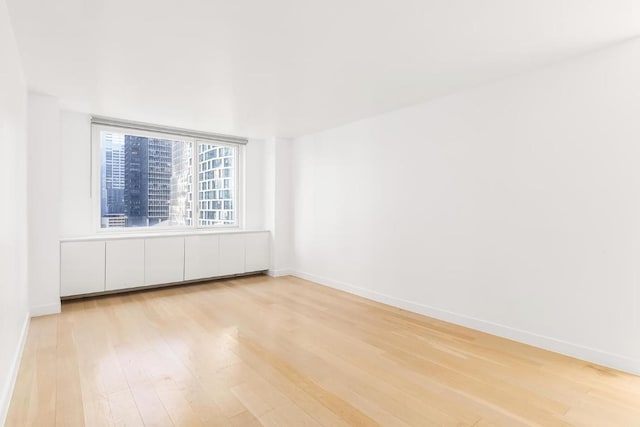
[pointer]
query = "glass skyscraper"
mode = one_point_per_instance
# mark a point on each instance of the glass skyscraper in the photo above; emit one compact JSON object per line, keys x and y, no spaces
{"x":147,"y":180}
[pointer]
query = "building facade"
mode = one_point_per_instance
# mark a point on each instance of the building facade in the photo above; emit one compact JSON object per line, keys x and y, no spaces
{"x":147,"y":180}
{"x":216,"y":171}
{"x":181,"y":206}
{"x":112,"y":174}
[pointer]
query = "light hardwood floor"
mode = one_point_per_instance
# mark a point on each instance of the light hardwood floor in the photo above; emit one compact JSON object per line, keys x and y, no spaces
{"x":288,"y":352}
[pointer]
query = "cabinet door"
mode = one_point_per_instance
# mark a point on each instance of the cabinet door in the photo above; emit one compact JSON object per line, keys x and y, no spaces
{"x":231,"y":254}
{"x":81,"y":268}
{"x":256,"y":251}
{"x":201,"y":257}
{"x":125,"y":264}
{"x":164,"y":260}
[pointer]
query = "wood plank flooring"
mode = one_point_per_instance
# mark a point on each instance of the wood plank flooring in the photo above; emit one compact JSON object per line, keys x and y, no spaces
{"x":287,"y":352}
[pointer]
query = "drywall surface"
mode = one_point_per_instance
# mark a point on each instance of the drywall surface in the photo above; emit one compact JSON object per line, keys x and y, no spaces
{"x":43,"y":165}
{"x":254,"y":197}
{"x":278,"y":208}
{"x":14,"y":312}
{"x":512,"y":208}
{"x":75,"y":176}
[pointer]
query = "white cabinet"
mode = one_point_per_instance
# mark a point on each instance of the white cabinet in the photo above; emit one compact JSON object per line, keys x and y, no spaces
{"x":163,"y":260}
{"x":81,"y":268}
{"x":256,"y":252}
{"x":125,"y":264}
{"x":231,"y":254}
{"x":201,"y":256}
{"x":95,"y":265}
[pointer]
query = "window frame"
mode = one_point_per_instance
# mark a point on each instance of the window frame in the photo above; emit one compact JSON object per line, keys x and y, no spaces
{"x":96,"y":184}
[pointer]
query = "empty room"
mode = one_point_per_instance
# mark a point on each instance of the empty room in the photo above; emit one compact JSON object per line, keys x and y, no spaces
{"x":320,"y":213}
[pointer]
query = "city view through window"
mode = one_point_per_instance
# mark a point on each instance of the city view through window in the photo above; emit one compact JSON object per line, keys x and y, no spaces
{"x":148,"y":182}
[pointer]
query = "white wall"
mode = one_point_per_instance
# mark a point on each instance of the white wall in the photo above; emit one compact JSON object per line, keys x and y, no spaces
{"x":277,"y":190}
{"x":254,"y":197}
{"x":14,"y":312}
{"x":513,"y":208}
{"x":43,"y":195}
{"x":75,"y":175}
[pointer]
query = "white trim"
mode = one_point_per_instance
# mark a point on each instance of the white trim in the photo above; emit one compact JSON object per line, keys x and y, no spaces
{"x":148,"y":235}
{"x":168,"y":130}
{"x":593,"y":355}
{"x":46,"y":309}
{"x":281,"y":272}
{"x":7,"y":388}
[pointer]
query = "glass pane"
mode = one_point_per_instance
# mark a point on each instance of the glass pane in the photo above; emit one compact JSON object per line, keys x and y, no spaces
{"x":216,"y":170}
{"x":145,"y":181}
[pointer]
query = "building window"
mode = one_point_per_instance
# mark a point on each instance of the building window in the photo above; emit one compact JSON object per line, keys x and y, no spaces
{"x":147,"y":179}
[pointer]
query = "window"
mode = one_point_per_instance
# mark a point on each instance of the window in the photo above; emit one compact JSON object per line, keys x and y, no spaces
{"x":150,"y":179}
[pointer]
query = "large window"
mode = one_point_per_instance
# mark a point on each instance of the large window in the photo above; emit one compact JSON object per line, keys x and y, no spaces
{"x":151,"y":179}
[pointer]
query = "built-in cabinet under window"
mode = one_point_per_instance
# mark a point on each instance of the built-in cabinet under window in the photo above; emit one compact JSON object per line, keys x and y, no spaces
{"x":90,"y":266}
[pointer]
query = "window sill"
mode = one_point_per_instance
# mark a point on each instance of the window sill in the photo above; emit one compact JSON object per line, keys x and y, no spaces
{"x":163,"y":233}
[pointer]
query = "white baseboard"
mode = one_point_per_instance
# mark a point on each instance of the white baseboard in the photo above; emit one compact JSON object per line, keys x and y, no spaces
{"x":7,"y":388}
{"x":600,"y":357}
{"x":281,"y":272}
{"x":43,"y":310}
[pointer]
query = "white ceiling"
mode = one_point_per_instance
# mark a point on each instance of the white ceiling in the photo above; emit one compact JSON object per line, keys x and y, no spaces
{"x":288,"y":67}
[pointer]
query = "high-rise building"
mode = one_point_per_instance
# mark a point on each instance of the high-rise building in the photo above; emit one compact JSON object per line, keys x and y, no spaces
{"x":113,"y":173}
{"x":181,"y":207}
{"x":216,"y":172}
{"x":147,"y":180}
